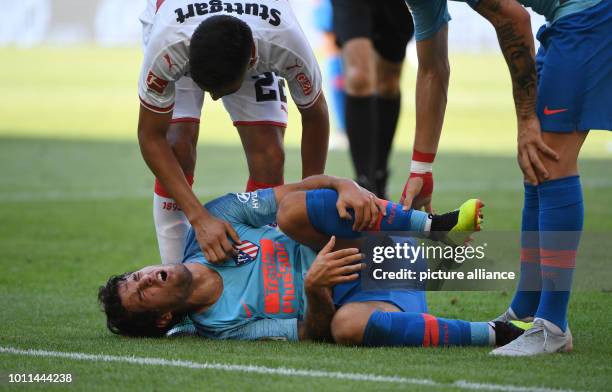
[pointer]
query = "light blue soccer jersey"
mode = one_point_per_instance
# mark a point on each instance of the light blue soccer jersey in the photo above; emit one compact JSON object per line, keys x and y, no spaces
{"x":431,"y":15}
{"x":263,"y":286}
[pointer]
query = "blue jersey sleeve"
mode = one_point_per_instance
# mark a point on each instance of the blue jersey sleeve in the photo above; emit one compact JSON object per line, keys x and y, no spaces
{"x":429,"y":17}
{"x":255,"y":209}
{"x":266,"y":329}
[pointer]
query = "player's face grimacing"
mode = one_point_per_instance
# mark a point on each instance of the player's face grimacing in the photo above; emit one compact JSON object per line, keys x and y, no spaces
{"x":162,"y":288}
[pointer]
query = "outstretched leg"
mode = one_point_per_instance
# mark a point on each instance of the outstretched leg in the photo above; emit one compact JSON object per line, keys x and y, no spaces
{"x":377,"y":323}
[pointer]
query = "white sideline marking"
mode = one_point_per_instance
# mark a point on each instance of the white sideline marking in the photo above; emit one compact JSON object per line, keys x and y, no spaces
{"x":280,"y":371}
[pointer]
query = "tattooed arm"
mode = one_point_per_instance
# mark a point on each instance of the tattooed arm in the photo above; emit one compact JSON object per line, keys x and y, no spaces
{"x":513,"y":26}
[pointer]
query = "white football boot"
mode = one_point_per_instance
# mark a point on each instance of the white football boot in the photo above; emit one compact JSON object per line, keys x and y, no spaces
{"x":543,"y":337}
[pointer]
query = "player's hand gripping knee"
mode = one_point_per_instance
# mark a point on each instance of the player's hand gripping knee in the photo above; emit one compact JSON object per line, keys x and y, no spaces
{"x":530,"y":145}
{"x":212,"y":235}
{"x":332,"y":268}
{"x":366,"y":205}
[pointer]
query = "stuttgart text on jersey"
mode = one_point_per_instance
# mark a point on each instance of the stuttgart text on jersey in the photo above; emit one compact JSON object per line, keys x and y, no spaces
{"x":272,"y":15}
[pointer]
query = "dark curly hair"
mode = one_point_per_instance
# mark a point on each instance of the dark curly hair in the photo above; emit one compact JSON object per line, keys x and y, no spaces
{"x":135,"y":324}
{"x":220,"y":51}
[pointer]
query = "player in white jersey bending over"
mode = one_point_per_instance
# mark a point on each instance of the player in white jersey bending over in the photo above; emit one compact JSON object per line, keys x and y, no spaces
{"x":278,"y":287}
{"x":243,"y":52}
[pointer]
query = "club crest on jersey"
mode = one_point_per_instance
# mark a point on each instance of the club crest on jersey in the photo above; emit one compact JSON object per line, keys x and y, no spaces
{"x":247,"y":252}
{"x":156,"y":83}
{"x":304,"y":82}
{"x":272,"y":15}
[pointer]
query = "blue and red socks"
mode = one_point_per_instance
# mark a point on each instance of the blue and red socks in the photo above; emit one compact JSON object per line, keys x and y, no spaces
{"x":561,"y":222}
{"x":323,"y":215}
{"x":527,"y":297}
{"x":422,"y":329}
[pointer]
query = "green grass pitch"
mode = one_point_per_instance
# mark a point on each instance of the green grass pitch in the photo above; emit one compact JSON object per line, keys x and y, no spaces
{"x":75,"y":207}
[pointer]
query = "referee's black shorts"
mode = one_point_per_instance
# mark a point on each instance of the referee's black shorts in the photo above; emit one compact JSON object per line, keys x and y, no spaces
{"x":387,"y":23}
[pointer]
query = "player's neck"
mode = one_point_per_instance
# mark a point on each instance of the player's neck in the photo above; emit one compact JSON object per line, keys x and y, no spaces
{"x":206,"y":287}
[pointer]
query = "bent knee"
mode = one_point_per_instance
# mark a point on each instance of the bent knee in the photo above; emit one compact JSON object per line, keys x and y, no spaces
{"x":267,"y":159}
{"x":348,"y":326}
{"x":291,"y":213}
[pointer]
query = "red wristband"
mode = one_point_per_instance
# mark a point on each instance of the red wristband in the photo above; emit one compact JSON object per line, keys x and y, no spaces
{"x":423,"y":156}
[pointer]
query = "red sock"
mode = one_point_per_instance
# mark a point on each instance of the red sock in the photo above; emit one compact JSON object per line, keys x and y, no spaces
{"x":161,"y":191}
{"x":253,"y":185}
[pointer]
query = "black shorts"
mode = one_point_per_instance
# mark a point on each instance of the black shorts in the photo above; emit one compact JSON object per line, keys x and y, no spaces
{"x":388,"y":23}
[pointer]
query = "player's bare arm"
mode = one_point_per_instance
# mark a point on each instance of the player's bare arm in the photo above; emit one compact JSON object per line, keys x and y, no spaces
{"x":431,"y":95}
{"x":328,"y":269}
{"x":315,"y":137}
{"x":212,"y":233}
{"x":513,"y":26}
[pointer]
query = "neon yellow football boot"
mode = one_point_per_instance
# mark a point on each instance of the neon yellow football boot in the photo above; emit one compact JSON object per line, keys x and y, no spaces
{"x":455,"y":227}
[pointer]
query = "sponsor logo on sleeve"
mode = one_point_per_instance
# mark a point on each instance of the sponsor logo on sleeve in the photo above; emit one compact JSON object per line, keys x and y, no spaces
{"x":254,"y":200}
{"x":304,"y":82}
{"x":295,"y":66}
{"x":168,"y":60}
{"x":244,"y":197}
{"x":155,"y":83}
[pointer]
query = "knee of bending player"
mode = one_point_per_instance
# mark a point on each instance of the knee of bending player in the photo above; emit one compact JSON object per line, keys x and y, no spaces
{"x":347,"y":327}
{"x":266,"y":161}
{"x":274,"y":155}
{"x":291,"y":213}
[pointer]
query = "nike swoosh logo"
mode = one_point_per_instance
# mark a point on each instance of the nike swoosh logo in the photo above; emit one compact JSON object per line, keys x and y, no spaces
{"x":548,"y":111}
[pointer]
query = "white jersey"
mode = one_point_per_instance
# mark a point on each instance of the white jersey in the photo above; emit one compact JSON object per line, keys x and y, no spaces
{"x":281,"y":46}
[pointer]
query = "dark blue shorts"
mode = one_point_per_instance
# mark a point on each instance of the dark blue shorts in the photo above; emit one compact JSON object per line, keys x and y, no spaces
{"x":574,"y":65}
{"x":406,"y":300}
{"x":364,"y":289}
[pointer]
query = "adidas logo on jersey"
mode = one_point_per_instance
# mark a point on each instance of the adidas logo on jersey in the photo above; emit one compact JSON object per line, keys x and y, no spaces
{"x":272,"y":15}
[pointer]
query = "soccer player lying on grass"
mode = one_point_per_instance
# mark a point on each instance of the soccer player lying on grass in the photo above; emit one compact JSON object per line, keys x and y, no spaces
{"x":263,"y":292}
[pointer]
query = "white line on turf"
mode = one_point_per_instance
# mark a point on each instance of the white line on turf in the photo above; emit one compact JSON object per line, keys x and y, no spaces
{"x":280,"y":371}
